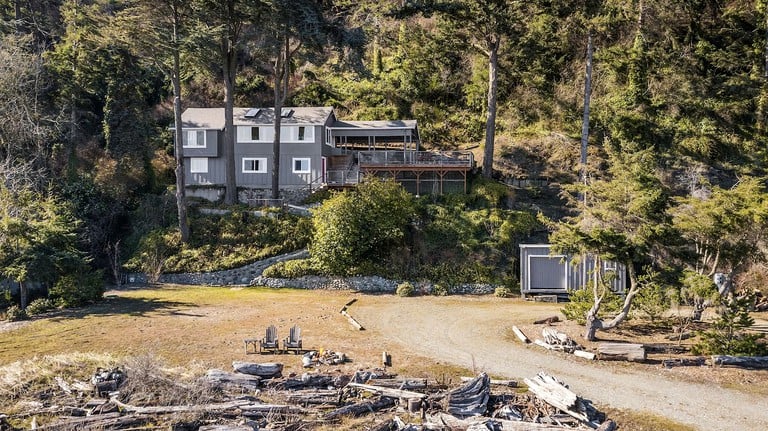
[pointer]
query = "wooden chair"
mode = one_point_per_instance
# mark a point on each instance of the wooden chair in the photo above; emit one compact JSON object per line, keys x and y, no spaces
{"x":293,"y":341}
{"x":270,"y":341}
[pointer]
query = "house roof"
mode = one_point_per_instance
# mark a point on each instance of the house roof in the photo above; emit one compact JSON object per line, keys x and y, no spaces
{"x":213,"y":118}
{"x":383,"y":124}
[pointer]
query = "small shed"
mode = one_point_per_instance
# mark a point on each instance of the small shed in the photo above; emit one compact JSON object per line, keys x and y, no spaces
{"x":542,"y":272}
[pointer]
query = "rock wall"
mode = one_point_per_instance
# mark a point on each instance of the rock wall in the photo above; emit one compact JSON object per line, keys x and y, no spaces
{"x":250,"y":275}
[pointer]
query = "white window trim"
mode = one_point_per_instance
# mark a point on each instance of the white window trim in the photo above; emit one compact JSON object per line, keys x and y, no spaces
{"x":262,"y":164}
{"x":192,"y":143}
{"x":199,"y":161}
{"x":309,"y":165}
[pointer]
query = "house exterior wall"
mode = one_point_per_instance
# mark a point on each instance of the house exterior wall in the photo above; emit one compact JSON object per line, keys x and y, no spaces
{"x":542,"y":272}
{"x":211,"y":149}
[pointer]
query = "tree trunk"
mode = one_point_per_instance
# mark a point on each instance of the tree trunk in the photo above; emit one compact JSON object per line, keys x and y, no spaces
{"x":23,"y":294}
{"x":490,"y":124}
{"x":181,"y":205}
{"x":585,"y":119}
{"x":280,"y":74}
{"x":593,"y":324}
{"x":229,"y":72}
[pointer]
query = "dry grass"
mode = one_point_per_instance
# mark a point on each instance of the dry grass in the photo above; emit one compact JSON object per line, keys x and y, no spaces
{"x":182,"y":331}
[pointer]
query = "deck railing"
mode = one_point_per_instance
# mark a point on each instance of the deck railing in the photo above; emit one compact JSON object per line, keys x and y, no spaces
{"x":416,"y":158}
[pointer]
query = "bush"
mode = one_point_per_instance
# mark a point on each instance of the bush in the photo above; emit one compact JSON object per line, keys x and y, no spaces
{"x":502,"y":292}
{"x":40,"y":305}
{"x":74,"y":290}
{"x":405,"y":289}
{"x":14,"y":313}
{"x":440,"y":290}
{"x":728,"y":335}
{"x":290,"y":269}
{"x":652,"y":301}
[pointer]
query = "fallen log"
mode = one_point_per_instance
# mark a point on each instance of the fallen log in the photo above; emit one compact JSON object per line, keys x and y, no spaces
{"x":352,"y":320}
{"x":328,"y":396}
{"x":548,"y":320}
{"x":198,"y":408}
{"x":557,"y":395}
{"x":494,"y":382}
{"x":621,"y":352}
{"x":360,"y":408}
{"x":400,"y":383}
{"x":221,"y":377}
{"x":683,"y":362}
{"x":471,"y":399}
{"x":388,"y":392}
{"x":106,"y":421}
{"x":584,"y":354}
{"x":759,"y":362}
{"x":441,"y":421}
{"x":225,"y":428}
{"x":520,"y":335}
{"x":266,"y":370}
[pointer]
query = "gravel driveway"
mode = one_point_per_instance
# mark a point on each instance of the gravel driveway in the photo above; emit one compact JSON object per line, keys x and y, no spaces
{"x":474,"y":337}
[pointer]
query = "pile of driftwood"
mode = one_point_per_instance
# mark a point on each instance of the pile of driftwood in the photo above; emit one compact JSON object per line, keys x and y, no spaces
{"x":257,"y":396}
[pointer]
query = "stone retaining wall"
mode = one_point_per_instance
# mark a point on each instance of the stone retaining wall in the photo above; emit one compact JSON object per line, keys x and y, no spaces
{"x":250,"y":275}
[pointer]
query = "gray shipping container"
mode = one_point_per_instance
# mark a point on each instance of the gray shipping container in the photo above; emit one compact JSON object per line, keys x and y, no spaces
{"x":545,"y":273}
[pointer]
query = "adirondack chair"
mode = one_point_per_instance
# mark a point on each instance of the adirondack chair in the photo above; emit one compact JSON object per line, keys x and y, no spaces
{"x":270,"y":341}
{"x":293,"y":340}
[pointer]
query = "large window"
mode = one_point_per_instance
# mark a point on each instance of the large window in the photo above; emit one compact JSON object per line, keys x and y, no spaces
{"x":301,"y":166}
{"x":198,"y":165}
{"x":254,"y":166}
{"x":195,"y":139}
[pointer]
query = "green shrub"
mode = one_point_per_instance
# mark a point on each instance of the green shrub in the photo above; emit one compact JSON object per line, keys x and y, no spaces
{"x":728,"y":334}
{"x":290,"y":269}
{"x":405,"y":289}
{"x":652,"y":301}
{"x":74,"y":290}
{"x":489,"y":192}
{"x":502,"y":292}
{"x":14,"y":313}
{"x":440,"y":290}
{"x":40,"y":305}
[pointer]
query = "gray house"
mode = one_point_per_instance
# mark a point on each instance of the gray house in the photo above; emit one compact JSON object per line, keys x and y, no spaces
{"x":316,"y":149}
{"x":542,"y":272}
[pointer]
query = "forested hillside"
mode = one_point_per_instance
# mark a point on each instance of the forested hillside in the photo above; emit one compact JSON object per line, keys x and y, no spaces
{"x":87,"y":104}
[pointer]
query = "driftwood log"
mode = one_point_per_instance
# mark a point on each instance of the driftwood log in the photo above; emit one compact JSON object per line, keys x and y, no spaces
{"x":621,"y":352}
{"x":266,"y":370}
{"x":760,"y":362}
{"x":442,"y":421}
{"x":327,"y":396}
{"x":494,"y":382}
{"x":547,"y":320}
{"x":97,"y":422}
{"x":522,"y":337}
{"x":557,"y":395}
{"x":360,"y":408}
{"x":400,"y":383}
{"x":388,"y":392}
{"x":221,"y":377}
{"x":470,"y":399}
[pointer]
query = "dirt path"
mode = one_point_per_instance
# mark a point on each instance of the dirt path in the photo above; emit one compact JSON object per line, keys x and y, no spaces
{"x":469,"y":336}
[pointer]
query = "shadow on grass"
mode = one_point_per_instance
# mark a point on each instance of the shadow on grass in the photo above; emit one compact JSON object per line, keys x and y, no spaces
{"x":139,"y":307}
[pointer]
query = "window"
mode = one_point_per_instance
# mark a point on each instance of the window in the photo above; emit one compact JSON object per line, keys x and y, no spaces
{"x":254,"y":133}
{"x":301,"y":166}
{"x":254,"y":166}
{"x":198,"y":165}
{"x":301,"y":133}
{"x":195,"y":139}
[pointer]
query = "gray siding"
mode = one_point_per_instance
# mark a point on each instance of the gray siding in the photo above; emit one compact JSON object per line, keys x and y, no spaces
{"x":216,"y":174}
{"x":212,"y":139}
{"x":541,"y":272}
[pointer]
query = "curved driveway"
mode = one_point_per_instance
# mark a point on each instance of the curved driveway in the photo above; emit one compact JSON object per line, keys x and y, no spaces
{"x":474,"y":337}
